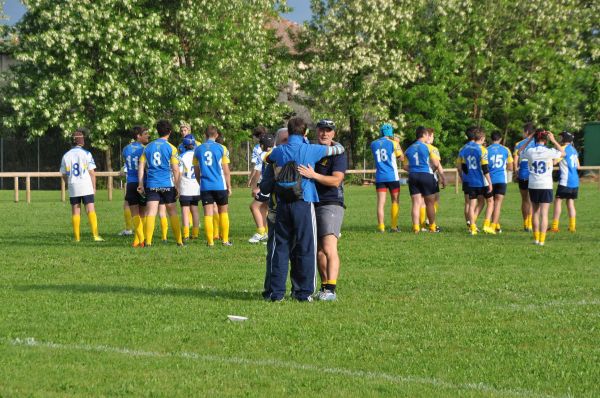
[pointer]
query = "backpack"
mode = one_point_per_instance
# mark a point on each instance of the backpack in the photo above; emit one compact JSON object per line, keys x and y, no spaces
{"x":288,"y":182}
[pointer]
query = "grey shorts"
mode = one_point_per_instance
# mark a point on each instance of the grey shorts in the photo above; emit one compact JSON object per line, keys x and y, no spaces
{"x":329,"y":220}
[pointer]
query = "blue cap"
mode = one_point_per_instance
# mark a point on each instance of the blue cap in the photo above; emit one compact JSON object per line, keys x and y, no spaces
{"x":189,"y":140}
{"x":386,"y":130}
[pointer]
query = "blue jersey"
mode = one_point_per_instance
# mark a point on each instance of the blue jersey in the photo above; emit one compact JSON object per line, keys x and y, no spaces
{"x":210,"y":158}
{"x":568,"y":166}
{"x":419,"y":156}
{"x":474,"y":156}
{"x":523,"y":163}
{"x":160,"y":155}
{"x":132,"y":154}
{"x":385,"y":151}
{"x":303,"y":154}
{"x":181,"y":148}
{"x":499,"y":156}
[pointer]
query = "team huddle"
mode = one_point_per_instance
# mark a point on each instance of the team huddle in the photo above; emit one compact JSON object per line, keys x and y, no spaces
{"x":298,"y":190}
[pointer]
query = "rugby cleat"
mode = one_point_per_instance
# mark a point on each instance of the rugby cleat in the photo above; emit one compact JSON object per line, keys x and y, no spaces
{"x":125,"y":232}
{"x":394,"y":229}
{"x":98,"y":239}
{"x":227,"y":244}
{"x":327,"y":295}
{"x":257,"y":238}
{"x":489,"y":230}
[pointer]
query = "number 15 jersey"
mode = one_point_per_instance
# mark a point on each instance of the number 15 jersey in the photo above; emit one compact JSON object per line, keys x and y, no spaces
{"x":210,"y":157}
{"x":385,"y":151}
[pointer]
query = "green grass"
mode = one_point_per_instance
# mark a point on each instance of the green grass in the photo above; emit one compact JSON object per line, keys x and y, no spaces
{"x":425,"y":315}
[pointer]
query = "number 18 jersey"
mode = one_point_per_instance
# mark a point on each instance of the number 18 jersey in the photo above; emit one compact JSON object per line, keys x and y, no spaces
{"x":210,"y":157}
{"x":385,"y":151}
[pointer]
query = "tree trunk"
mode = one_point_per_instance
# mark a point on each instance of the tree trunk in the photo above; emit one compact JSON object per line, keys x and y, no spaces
{"x":108,"y":159}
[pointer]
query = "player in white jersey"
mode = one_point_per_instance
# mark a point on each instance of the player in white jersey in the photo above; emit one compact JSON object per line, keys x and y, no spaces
{"x":540,"y":160}
{"x":189,"y":189}
{"x":258,"y":209}
{"x":77,"y":169}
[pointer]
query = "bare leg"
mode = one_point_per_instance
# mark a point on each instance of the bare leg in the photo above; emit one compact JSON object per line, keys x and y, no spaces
{"x":381,"y":197}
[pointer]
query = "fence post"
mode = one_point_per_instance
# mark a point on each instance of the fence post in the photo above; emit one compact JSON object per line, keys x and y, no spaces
{"x":456,"y":181}
{"x":63,"y":188}
{"x":110,"y":188}
{"x":28,"y":188}
{"x":16,"y":189}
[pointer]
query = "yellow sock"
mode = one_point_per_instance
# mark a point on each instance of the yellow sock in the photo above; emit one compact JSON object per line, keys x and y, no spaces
{"x":195,"y":232}
{"x":93,"y":223}
{"x":164,"y":227}
{"x":542,"y":237}
{"x":473,"y":227}
{"x":216,"y":222}
{"x":525,"y":223}
{"x":176,"y":227}
{"x":436,"y":205}
{"x":224,"y":224}
{"x":530,"y":221}
{"x":381,"y":227}
{"x":555,"y":225}
{"x":139,"y":230}
{"x":416,"y":227}
{"x":493,"y":226}
{"x":486,"y":223}
{"x":261,"y":230}
{"x":208,"y":230}
{"x":149,"y":229}
{"x":432,"y":227}
{"x":186,"y":231}
{"x":422,"y":215}
{"x":572,"y":224}
{"x":190,"y":219}
{"x":128,"y":220}
{"x":76,"y":221}
{"x":395,"y":212}
{"x":536,"y":236}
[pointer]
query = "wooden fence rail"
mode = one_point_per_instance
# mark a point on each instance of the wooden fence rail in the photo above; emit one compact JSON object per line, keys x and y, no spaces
{"x":112,"y":174}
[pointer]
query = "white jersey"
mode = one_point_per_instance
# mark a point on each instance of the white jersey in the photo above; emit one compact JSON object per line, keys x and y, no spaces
{"x":540,"y":161}
{"x":76,"y":165}
{"x":188,"y":186}
{"x":257,"y":157}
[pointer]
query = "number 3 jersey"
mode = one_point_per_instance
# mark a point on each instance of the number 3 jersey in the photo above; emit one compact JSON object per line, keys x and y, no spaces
{"x":76,"y":165}
{"x":188,"y":186}
{"x":499,"y":156}
{"x":132,"y":154}
{"x":385,"y":151}
{"x":540,"y":159}
{"x":210,"y":157}
{"x":159,"y":155}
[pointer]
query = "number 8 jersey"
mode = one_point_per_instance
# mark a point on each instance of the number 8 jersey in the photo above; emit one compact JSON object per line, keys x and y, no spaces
{"x":385,"y":151}
{"x":209,"y":157}
{"x":540,"y":159}
{"x":159,"y":155}
{"x":75,"y":165}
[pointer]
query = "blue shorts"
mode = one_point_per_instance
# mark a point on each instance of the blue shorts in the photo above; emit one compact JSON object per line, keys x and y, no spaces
{"x":540,"y":195}
{"x":161,"y":195}
{"x":421,"y":183}
{"x":392,"y":186}
{"x":221,"y":198}
{"x":189,"y":200}
{"x":87,"y":199}
{"x":563,"y":192}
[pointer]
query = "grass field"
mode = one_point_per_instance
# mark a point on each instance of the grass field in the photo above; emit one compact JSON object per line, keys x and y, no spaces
{"x":417,"y":315}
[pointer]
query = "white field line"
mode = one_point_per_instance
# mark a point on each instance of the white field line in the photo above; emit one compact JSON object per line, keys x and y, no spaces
{"x":273,"y":363}
{"x":556,"y":303}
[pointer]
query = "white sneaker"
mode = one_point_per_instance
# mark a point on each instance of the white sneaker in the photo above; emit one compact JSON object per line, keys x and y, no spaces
{"x":327,"y":295}
{"x":126,"y":232}
{"x":256,"y":238}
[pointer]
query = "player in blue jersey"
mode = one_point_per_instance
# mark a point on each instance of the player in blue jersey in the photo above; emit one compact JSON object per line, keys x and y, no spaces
{"x":470,"y":133}
{"x":162,"y":176}
{"x":475,"y":167}
{"x":500,"y":163}
{"x":568,"y":182}
{"x":386,"y":152}
{"x":131,"y":155}
{"x":422,"y":160}
{"x":522,"y":172}
{"x":211,"y":164}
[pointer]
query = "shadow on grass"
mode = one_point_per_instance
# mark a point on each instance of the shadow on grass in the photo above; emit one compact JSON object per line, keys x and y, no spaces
{"x":176,"y":292}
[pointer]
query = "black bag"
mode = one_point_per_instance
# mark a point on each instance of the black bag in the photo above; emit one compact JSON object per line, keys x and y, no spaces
{"x":288,"y":182}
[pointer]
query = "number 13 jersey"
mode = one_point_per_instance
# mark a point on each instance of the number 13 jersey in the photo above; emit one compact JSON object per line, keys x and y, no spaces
{"x":540,"y":159}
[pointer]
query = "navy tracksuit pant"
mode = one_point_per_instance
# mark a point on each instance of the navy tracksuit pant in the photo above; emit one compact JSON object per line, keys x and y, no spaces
{"x":295,"y":239}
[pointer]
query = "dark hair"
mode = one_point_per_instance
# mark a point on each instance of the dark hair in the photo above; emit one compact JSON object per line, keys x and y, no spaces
{"x":211,"y":131}
{"x":219,"y":139}
{"x":296,"y":126}
{"x":138,"y":130}
{"x":78,"y":136}
{"x":163,"y":127}
{"x":258,"y":131}
{"x":479,"y":134}
{"x":420,"y":132}
{"x":529,"y":127}
{"x":541,"y":135}
{"x":470,"y":133}
{"x":496,"y":136}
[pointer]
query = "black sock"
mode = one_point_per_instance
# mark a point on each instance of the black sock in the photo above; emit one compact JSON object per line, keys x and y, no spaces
{"x":330,"y":287}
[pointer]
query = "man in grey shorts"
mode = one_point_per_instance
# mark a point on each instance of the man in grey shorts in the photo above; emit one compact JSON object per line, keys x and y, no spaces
{"x":328,"y":175}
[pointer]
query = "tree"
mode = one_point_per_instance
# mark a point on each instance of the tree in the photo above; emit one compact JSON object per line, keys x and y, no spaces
{"x":354,"y":54}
